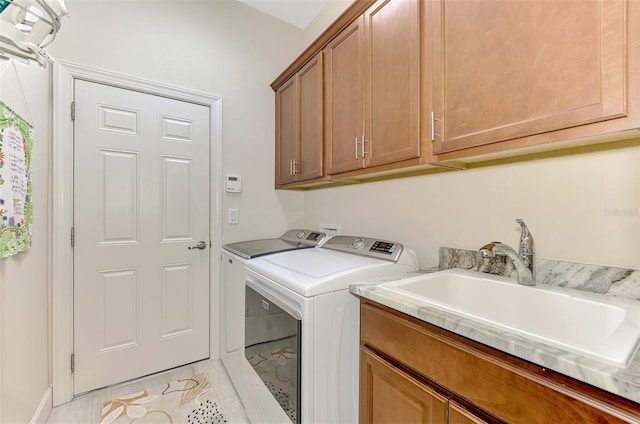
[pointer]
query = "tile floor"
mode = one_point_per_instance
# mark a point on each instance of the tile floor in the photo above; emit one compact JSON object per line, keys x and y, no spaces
{"x":86,"y":409}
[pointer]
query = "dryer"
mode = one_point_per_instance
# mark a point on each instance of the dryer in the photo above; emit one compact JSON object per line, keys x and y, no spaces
{"x":234,"y":257}
{"x":306,"y":351}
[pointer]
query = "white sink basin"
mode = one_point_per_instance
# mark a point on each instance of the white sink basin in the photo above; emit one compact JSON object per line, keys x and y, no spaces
{"x":593,"y":325}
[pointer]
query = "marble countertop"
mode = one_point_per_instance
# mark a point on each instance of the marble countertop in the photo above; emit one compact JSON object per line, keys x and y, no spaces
{"x":624,"y":382}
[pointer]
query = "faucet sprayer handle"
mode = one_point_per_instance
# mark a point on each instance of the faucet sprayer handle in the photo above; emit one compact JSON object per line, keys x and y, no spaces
{"x":527,"y":246}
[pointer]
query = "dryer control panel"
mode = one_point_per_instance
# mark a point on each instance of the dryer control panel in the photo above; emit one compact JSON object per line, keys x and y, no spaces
{"x":305,"y":237}
{"x":384,"y":247}
{"x":381,"y":249}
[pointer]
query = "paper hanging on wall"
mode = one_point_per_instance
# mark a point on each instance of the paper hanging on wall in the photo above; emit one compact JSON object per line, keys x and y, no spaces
{"x":16,"y":208}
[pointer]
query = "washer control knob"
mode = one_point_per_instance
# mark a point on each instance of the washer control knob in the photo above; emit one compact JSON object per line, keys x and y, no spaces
{"x":300,"y":234}
{"x":357,"y":243}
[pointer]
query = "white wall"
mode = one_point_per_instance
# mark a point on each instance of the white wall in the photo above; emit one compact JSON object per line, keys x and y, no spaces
{"x":581,"y":208}
{"x":24,"y":306}
{"x":220,"y":47}
{"x":332,"y":10}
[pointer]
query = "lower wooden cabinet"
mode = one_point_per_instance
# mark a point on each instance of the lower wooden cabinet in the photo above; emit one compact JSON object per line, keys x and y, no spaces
{"x":414,"y":372}
{"x":460,"y":415}
{"x":390,"y":396}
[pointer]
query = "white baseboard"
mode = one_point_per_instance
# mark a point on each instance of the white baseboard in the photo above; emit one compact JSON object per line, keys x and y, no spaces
{"x":44,"y":408}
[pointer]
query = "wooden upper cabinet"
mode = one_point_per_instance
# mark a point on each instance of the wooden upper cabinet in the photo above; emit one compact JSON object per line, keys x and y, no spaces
{"x":299,"y":130}
{"x":511,"y":69}
{"x":418,"y":82}
{"x":286,"y":131}
{"x":311,"y":116}
{"x":372,"y":88}
{"x":392,"y":82}
{"x":344,"y":99}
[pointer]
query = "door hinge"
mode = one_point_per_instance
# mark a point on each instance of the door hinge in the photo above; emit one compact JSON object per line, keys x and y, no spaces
{"x":73,"y":111}
{"x":73,"y":236}
{"x":73,"y":362}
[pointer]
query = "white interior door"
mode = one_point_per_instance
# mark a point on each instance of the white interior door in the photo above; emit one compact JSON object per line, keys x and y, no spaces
{"x":141,"y":199}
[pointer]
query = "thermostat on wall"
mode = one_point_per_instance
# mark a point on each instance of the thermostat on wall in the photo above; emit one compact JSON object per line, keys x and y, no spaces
{"x":234,"y":184}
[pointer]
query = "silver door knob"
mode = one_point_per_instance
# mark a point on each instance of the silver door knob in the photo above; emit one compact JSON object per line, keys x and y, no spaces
{"x":201,"y":245}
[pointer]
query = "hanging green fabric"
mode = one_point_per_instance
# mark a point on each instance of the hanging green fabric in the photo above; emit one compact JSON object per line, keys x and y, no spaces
{"x":16,"y":207}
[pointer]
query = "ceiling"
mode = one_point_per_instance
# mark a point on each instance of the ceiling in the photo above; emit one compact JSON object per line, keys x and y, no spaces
{"x":299,"y":13}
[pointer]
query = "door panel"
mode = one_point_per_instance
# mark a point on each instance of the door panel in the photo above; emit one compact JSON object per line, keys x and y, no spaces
{"x":286,"y":131}
{"x":392,"y":93}
{"x":388,"y":395}
{"x":522,"y":68}
{"x":117,"y":194}
{"x":117,"y":315}
{"x":176,"y":299}
{"x":141,"y":198}
{"x":460,"y":415}
{"x":176,"y":187}
{"x":344,"y":99}
{"x":311,"y":130}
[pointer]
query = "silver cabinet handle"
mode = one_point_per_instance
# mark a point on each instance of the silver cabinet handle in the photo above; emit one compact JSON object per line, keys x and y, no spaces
{"x":200,"y":245}
{"x":356,"y":148}
{"x":364,"y":152}
{"x":433,"y":126}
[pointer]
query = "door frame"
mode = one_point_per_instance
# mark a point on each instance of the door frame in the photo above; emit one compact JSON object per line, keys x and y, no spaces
{"x":61,"y":220}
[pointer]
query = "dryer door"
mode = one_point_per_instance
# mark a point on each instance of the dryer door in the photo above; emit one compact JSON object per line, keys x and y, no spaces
{"x":273,"y":346}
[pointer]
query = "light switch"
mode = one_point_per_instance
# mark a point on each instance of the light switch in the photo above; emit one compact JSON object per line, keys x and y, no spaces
{"x":233,"y":216}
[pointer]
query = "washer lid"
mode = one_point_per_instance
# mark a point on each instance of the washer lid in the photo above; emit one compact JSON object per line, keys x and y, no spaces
{"x":290,"y":240}
{"x":255,"y":248}
{"x":311,"y":272}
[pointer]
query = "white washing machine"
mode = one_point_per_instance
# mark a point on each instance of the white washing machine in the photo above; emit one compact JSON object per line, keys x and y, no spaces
{"x":234,"y":258}
{"x":290,"y":240}
{"x":306,"y":348}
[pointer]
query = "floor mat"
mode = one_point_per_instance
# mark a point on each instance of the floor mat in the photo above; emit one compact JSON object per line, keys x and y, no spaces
{"x":184,"y":401}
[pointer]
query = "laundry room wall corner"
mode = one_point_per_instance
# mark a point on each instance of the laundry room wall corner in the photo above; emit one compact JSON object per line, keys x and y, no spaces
{"x":24,"y":303}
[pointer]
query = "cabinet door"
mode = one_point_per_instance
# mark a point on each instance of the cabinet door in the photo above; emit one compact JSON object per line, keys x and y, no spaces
{"x":392,"y":92}
{"x":507,"y":69}
{"x":344,"y":99}
{"x":286,"y":131}
{"x":460,"y":415}
{"x":310,"y":107}
{"x":387,"y":395}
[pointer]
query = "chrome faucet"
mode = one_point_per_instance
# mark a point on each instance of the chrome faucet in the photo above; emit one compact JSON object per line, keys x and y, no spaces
{"x":523,"y":260}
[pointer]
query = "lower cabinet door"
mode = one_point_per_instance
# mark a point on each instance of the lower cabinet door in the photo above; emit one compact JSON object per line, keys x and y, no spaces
{"x":388,"y":395}
{"x":460,"y":415}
